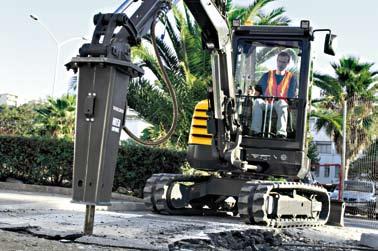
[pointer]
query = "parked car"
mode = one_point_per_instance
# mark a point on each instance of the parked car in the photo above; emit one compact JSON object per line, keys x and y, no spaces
{"x":359,"y":197}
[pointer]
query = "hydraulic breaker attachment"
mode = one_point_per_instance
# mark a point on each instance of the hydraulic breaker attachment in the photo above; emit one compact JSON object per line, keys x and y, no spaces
{"x":101,"y":108}
{"x":105,"y":70}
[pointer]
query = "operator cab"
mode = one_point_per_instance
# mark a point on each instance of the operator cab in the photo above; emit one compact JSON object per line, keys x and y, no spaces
{"x":257,"y":64}
{"x":271,"y":80}
{"x":271,"y":77}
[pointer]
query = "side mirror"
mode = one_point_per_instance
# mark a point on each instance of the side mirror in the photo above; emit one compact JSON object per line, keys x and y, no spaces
{"x":328,"y":49}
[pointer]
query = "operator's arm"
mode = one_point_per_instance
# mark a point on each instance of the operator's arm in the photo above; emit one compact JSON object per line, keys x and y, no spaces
{"x":263,"y":83}
{"x":292,"y":87}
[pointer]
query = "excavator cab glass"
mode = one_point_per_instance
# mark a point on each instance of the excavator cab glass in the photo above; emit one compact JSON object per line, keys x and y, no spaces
{"x":267,"y":82}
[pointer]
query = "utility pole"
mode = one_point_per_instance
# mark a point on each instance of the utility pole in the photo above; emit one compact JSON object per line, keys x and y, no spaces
{"x":59,"y":46}
{"x":343,"y":157}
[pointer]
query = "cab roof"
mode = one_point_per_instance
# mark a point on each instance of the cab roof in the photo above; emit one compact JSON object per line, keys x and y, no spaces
{"x":281,"y":31}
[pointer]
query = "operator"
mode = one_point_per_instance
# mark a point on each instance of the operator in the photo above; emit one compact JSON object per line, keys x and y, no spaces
{"x":278,"y":83}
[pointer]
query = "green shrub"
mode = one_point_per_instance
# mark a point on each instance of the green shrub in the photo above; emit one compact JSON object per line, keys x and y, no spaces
{"x":49,"y":162}
{"x":36,"y":160}
{"x":137,"y":163}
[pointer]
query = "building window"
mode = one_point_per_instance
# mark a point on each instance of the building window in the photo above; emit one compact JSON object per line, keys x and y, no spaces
{"x":324,"y":147}
{"x":326,"y":171}
{"x":337,"y":171}
{"x":316,"y":171}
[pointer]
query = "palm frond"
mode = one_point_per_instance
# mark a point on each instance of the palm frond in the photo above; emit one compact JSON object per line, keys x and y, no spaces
{"x":190,"y":25}
{"x":179,"y":19}
{"x":149,"y":60}
{"x":329,"y":120}
{"x":172,"y":34}
{"x":253,"y":10}
{"x":143,"y":96}
{"x":168,"y":55}
{"x":266,"y":54}
{"x":235,"y":13}
{"x":228,"y":5}
{"x":329,"y":85}
{"x":275,"y":17}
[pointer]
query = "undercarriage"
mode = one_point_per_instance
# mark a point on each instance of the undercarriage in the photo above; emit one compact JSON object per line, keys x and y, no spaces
{"x":268,"y":203}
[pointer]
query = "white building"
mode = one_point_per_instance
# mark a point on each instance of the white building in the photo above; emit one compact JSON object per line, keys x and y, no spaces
{"x":8,"y":99}
{"x":328,"y":170}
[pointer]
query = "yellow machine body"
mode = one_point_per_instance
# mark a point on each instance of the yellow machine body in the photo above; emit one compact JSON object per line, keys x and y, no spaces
{"x":198,"y":130}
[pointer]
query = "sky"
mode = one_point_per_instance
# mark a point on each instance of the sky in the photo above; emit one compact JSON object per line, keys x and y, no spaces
{"x":353,"y":22}
{"x":29,"y":53}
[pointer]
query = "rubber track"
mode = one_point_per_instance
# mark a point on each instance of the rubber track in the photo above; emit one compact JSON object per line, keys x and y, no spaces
{"x":259,"y":206}
{"x":245,"y":200}
{"x":149,"y":190}
{"x":160,"y":193}
{"x":251,"y":201}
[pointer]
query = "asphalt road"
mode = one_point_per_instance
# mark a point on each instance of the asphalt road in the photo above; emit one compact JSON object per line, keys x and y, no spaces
{"x":54,"y":217}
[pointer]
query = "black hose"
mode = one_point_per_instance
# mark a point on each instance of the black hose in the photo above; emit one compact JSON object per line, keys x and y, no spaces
{"x":171,"y":93}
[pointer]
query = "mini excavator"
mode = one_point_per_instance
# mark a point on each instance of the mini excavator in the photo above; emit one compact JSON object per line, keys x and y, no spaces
{"x":243,"y":165}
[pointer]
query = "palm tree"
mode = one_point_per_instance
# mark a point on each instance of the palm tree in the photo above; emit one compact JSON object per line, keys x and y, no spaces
{"x":357,"y":84}
{"x":188,"y":67}
{"x":57,"y":117}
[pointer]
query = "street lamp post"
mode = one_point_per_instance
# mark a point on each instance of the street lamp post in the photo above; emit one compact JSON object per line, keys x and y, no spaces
{"x":59,"y":46}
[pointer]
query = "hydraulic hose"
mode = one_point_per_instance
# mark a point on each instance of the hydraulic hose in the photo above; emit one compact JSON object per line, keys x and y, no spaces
{"x":171,"y":91}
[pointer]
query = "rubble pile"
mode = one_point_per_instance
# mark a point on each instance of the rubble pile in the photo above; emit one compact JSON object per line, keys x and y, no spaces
{"x":257,"y":240}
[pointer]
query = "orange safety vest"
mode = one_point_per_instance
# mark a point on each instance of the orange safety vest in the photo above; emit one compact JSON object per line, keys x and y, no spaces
{"x":278,"y":90}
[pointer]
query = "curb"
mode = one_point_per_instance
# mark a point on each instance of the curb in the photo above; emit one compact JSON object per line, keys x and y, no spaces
{"x":122,"y":206}
{"x":120,"y":202}
{"x":35,"y":188}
